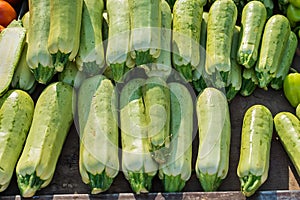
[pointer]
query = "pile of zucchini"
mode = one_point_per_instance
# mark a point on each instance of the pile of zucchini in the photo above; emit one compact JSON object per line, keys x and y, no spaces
{"x":123,"y":75}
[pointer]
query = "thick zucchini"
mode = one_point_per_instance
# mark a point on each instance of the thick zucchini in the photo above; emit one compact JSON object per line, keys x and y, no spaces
{"x":214,"y":138}
{"x":254,"y":159}
{"x":99,"y":164}
{"x":287,"y":126}
{"x":16,"y":111}
{"x":52,"y":119}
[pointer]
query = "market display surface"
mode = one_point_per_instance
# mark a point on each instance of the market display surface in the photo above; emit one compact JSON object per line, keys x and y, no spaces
{"x":184,"y":99}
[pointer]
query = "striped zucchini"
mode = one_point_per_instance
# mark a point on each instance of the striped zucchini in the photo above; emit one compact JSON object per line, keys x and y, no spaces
{"x":214,"y":138}
{"x":199,"y":82}
{"x":156,"y":96}
{"x":253,"y":20}
{"x":16,"y":111}
{"x":23,"y":77}
{"x":162,"y":66}
{"x":52,"y":119}
{"x":99,"y":164}
{"x":90,"y":57}
{"x":118,"y":43}
{"x":249,"y":82}
{"x":275,"y":37}
{"x":221,"y":22}
{"x":38,"y":57}
{"x":187,"y":17}
{"x":71,"y":75}
{"x":137,"y":164}
{"x":254,"y":159}
{"x":178,"y":167}
{"x":64,"y":35}
{"x":235,"y":74}
{"x":286,"y":61}
{"x":287,"y":126}
{"x":145,"y":32}
{"x":12,"y":40}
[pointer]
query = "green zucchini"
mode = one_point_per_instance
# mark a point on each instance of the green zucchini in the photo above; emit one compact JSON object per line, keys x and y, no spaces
{"x":98,"y":165}
{"x":12,"y":40}
{"x":286,"y":61}
{"x":38,"y":57}
{"x":253,"y":166}
{"x":187,"y":17}
{"x":253,"y":20}
{"x":118,"y":43}
{"x":145,"y":24}
{"x":64,"y":34}
{"x":220,"y":27}
{"x":52,"y":119}
{"x":90,"y":57}
{"x":137,"y":164}
{"x":275,"y":37}
{"x":214,"y":138}
{"x":287,"y":126}
{"x":178,"y":167}
{"x":16,"y":111}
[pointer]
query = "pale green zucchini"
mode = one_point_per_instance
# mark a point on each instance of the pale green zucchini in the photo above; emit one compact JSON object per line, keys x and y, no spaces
{"x":16,"y":111}
{"x":178,"y":167}
{"x":90,"y":57}
{"x":253,"y":166}
{"x":98,"y":164}
{"x":214,"y":138}
{"x":187,"y":17}
{"x":52,"y":119}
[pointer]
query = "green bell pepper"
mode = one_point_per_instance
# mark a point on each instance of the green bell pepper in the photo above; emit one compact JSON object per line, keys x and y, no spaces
{"x":291,"y":88}
{"x":293,"y":14}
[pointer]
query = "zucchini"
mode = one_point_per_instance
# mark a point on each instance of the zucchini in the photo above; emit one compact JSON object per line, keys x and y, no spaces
{"x":275,"y":37}
{"x":187,"y":17}
{"x":287,"y":126}
{"x":98,"y":165}
{"x":214,"y":138}
{"x":118,"y":43}
{"x":156,"y":96}
{"x":12,"y":40}
{"x":249,"y":82}
{"x":220,"y":27}
{"x":90,"y":57}
{"x":178,"y":167}
{"x":286,"y":62}
{"x":162,"y":66}
{"x":137,"y":164}
{"x":235,"y":74}
{"x":71,"y":75}
{"x":254,"y":159}
{"x":52,"y":119}
{"x":254,"y":17}
{"x":23,"y":77}
{"x":38,"y":57}
{"x":145,"y":31}
{"x":16,"y":111}
{"x":64,"y":35}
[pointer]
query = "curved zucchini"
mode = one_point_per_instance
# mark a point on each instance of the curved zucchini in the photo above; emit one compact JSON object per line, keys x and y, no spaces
{"x":275,"y":37}
{"x":214,"y":135}
{"x":178,"y":167}
{"x":287,"y":126}
{"x":254,"y":160}
{"x":220,"y":26}
{"x":187,"y":17}
{"x":16,"y":111}
{"x":52,"y":119}
{"x":254,"y":17}
{"x":99,"y":165}
{"x":90,"y":57}
{"x":137,"y":164}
